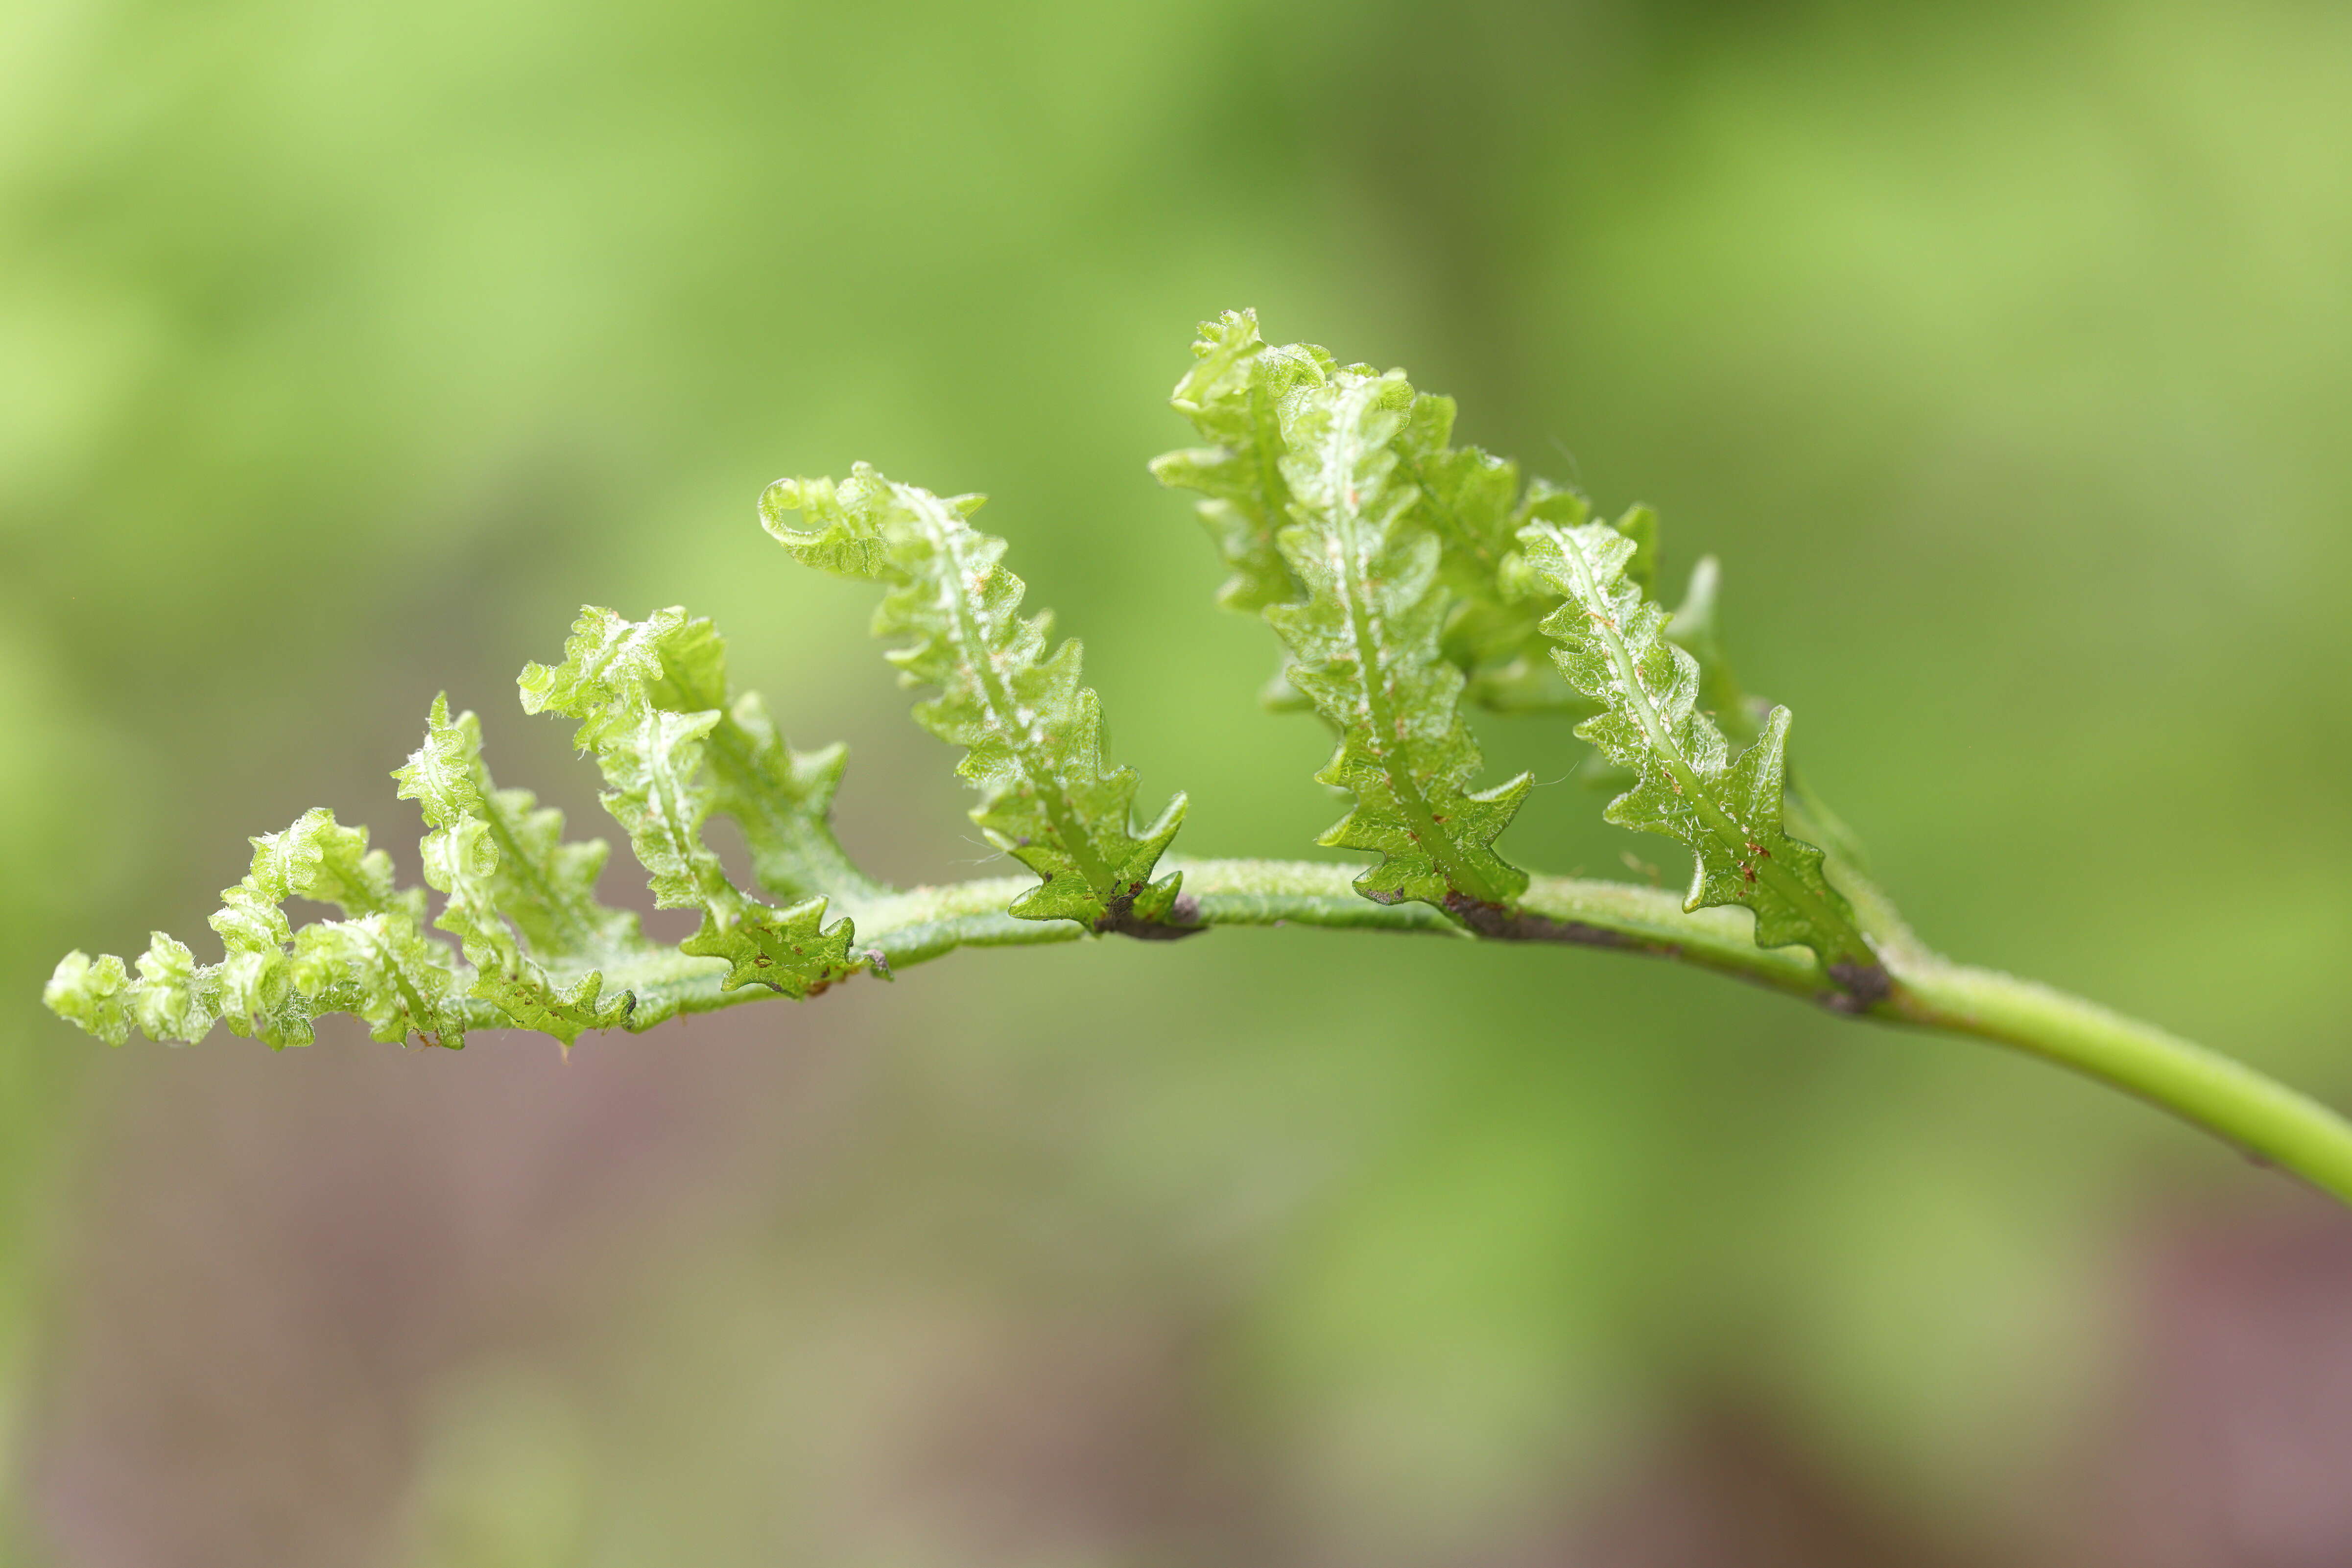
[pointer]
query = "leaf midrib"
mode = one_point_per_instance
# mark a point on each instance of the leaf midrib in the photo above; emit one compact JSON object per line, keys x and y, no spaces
{"x":1348,"y":526}
{"x":948,"y":535}
{"x":1726,"y":830}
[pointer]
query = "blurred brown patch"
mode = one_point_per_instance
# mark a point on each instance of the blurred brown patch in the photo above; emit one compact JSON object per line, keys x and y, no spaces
{"x":1086,"y":1441}
{"x":2231,"y":1443}
{"x":285,"y":1253}
{"x":1732,"y":1488}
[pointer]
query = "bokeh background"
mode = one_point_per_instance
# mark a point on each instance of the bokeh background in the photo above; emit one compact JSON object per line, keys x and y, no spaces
{"x":2003,"y":351}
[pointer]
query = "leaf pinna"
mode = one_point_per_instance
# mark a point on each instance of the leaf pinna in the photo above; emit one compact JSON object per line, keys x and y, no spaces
{"x":1034,"y":733}
{"x":1687,"y":786}
{"x":273,"y":981}
{"x":1365,"y":650}
{"x":1405,"y":575}
{"x":1471,"y":499}
{"x":1233,"y":395}
{"x":520,"y":902}
{"x":635,"y":687}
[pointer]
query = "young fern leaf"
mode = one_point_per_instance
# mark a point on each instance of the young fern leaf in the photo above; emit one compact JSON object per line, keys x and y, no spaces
{"x":629,"y":683}
{"x":1233,"y":395}
{"x":272,"y":980}
{"x":782,"y":799}
{"x":505,"y":871}
{"x":1034,"y":732}
{"x":1468,"y":498}
{"x":1687,"y":786}
{"x":1403,"y":575}
{"x":387,"y":971}
{"x":1472,"y":501}
{"x":1365,"y":651}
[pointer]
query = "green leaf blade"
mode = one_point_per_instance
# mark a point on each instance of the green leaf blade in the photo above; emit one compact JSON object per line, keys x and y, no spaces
{"x":273,"y":981}
{"x":1233,"y":395}
{"x":387,"y":971}
{"x":92,"y":993}
{"x":1468,"y":500}
{"x":1032,"y":731}
{"x":502,"y":873}
{"x":1364,"y":649}
{"x":647,"y":697}
{"x":1687,"y":786}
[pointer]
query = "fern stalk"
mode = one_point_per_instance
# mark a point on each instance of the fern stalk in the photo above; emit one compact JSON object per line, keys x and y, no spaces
{"x":1407,"y":579}
{"x":2201,"y":1086}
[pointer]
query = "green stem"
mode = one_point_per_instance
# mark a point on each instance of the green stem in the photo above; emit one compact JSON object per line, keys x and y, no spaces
{"x":2265,"y":1118}
{"x":2207,"y":1090}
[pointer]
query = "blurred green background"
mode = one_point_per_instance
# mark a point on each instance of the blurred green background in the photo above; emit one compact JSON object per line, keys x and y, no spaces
{"x":2003,"y":353}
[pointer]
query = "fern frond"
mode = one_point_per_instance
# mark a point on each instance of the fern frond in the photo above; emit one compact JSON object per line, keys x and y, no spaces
{"x":1689,"y":786}
{"x":272,"y":980}
{"x":1365,"y":649}
{"x":1034,"y":732}
{"x":537,"y":950}
{"x":498,"y":861}
{"x":634,"y":685}
{"x":1469,"y":498}
{"x":1233,"y":395}
{"x":782,"y":799}
{"x":386,"y":970}
{"x":1404,"y":575}
{"x":1472,"y":501}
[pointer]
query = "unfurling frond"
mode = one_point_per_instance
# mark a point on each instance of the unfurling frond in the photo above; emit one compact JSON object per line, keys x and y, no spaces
{"x":535,"y":943}
{"x":535,"y":950}
{"x":1034,"y":732}
{"x":520,"y":902}
{"x":1364,"y":645}
{"x":1233,"y":395}
{"x":638,"y":689}
{"x":1469,"y":500}
{"x":1689,"y":786}
{"x":1405,"y":577}
{"x":273,"y":981}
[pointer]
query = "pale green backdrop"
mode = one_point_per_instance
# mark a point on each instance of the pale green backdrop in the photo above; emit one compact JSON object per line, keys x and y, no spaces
{"x":2003,"y":352}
